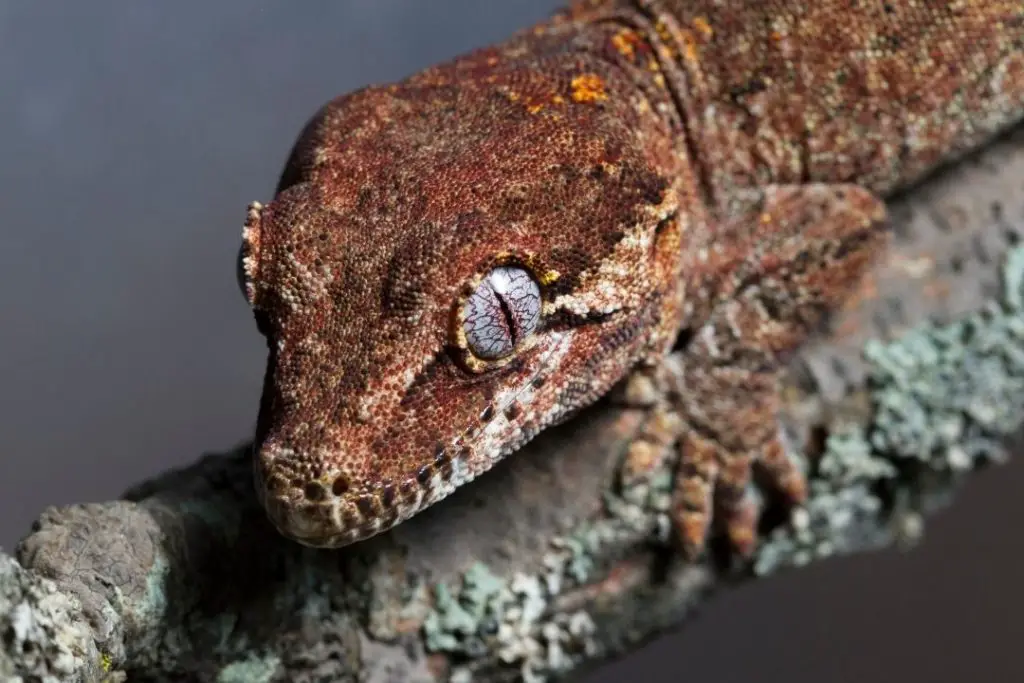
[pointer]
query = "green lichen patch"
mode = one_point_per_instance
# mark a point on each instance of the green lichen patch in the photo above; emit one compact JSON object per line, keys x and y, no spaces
{"x":486,"y":614}
{"x":252,"y":669}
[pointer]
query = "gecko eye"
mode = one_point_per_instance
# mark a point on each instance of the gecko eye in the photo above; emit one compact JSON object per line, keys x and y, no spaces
{"x":502,"y":311}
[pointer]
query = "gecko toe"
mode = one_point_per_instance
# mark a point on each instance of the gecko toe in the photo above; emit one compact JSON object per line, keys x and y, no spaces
{"x":693,"y":496}
{"x":783,"y":474}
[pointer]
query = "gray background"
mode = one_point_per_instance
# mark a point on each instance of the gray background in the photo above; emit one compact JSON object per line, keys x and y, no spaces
{"x":132,"y":136}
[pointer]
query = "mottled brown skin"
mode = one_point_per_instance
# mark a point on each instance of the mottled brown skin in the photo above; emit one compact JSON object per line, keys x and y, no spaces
{"x":697,"y":174}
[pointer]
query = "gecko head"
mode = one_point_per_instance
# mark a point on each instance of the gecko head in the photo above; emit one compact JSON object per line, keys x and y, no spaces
{"x":443,"y":273}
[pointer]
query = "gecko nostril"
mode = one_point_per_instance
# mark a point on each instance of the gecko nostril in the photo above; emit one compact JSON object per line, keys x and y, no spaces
{"x":340,"y":485}
{"x":313,"y":491}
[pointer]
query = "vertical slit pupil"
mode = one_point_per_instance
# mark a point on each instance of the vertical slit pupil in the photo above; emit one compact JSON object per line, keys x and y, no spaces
{"x":510,"y":318}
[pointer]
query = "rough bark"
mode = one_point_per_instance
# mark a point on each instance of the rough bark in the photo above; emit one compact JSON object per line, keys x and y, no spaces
{"x":547,"y":565}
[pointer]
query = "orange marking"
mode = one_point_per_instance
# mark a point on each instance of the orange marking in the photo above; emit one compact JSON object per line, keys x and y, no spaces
{"x":625,"y":42}
{"x":588,"y":88}
{"x":702,"y":25}
{"x":690,"y":48}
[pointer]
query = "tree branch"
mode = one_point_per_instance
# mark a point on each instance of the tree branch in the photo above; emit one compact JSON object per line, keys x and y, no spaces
{"x":546,"y":565}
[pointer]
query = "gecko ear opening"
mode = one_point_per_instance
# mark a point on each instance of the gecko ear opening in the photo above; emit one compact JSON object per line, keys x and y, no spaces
{"x":247,"y":265}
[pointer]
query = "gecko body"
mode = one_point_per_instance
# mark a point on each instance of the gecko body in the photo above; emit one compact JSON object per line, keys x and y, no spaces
{"x":457,"y":261}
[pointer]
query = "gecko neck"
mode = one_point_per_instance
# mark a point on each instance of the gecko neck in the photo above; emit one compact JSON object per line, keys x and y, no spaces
{"x":645,"y":46}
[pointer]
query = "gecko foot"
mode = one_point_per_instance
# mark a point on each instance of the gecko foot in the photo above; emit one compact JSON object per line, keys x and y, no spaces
{"x":713,"y":488}
{"x":805,"y":247}
{"x":713,"y":478}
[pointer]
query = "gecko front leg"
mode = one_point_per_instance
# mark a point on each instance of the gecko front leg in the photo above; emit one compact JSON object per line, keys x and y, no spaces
{"x":806,"y":246}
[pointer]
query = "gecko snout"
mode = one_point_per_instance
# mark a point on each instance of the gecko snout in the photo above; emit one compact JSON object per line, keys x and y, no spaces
{"x":323,"y":507}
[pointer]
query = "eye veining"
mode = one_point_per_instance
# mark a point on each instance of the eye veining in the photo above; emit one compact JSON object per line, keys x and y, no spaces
{"x":504,"y":310}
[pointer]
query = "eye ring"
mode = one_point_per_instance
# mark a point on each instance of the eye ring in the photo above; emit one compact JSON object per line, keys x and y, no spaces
{"x":499,"y":315}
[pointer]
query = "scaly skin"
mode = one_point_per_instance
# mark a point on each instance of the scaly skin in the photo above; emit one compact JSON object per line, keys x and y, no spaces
{"x":696,"y":175}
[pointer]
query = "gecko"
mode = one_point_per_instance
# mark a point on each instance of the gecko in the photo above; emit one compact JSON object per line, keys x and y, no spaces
{"x":675,"y":189}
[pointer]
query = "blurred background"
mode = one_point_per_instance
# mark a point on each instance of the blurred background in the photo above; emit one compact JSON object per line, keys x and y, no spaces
{"x":132,"y":136}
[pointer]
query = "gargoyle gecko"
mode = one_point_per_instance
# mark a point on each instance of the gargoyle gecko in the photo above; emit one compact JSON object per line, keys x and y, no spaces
{"x":457,"y":261}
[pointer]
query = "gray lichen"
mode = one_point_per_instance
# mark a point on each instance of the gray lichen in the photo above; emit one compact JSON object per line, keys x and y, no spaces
{"x":948,"y":396}
{"x":946,"y":399}
{"x":43,"y":636}
{"x":517,"y":618}
{"x":513,"y":619}
{"x":250,"y":670}
{"x":841,"y":511}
